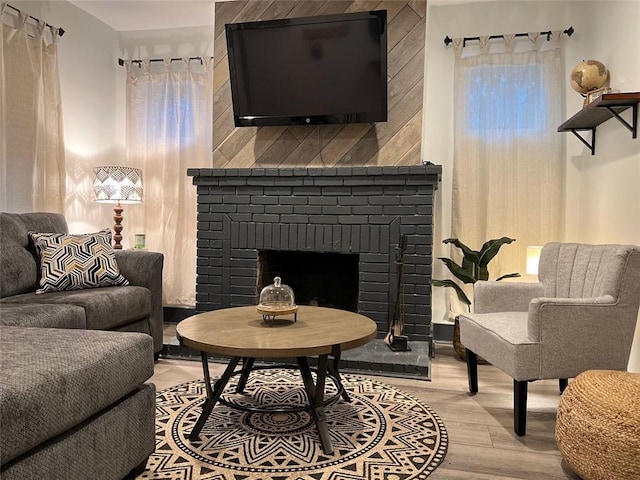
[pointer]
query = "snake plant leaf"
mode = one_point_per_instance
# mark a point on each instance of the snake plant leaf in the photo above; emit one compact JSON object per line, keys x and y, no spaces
{"x":483,"y":273}
{"x":508,"y":275}
{"x":469,"y":254}
{"x":464,"y":274}
{"x":490,"y":249}
{"x":450,"y":283}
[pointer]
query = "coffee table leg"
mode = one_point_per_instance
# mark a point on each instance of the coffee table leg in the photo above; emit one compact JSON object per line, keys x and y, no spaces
{"x":213,"y":394}
{"x":334,"y":368}
{"x":316,"y":398}
{"x":247,"y":365}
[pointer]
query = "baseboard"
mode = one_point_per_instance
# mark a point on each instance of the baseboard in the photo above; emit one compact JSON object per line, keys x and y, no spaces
{"x":443,"y":332}
{"x":177,"y":314}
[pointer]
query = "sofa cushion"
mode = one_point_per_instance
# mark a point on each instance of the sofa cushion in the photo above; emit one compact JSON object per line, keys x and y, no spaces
{"x":46,"y":315}
{"x":18,"y":260}
{"x":53,"y":379}
{"x":104,"y":308}
{"x":75,"y":262}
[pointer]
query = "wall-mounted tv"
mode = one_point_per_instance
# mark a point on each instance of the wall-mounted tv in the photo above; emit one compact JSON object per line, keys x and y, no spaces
{"x":309,"y":70}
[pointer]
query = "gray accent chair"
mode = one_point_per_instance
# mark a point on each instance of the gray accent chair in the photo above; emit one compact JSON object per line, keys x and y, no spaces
{"x":580,"y":316}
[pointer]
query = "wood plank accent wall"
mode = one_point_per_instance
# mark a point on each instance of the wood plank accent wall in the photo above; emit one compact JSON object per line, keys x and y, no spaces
{"x":395,"y":142}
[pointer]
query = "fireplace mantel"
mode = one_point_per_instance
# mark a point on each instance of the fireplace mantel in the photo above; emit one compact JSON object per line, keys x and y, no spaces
{"x":358,"y":210}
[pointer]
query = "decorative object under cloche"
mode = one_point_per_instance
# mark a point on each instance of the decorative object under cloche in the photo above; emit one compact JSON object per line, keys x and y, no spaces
{"x":276,"y":300}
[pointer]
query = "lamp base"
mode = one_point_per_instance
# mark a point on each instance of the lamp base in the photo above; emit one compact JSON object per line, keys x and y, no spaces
{"x":117,"y":228}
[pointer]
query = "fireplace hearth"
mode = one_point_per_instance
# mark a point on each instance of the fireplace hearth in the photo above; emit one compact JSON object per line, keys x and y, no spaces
{"x":251,"y":220}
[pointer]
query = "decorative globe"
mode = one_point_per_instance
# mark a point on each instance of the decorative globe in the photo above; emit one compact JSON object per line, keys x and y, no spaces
{"x":588,"y":75}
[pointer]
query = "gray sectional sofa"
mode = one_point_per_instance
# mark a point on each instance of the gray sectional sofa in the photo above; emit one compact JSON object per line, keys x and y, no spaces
{"x":74,"y":404}
{"x":133,"y":308}
{"x":73,"y":364}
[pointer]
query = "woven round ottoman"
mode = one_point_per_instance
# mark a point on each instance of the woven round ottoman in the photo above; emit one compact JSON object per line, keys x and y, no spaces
{"x":598,"y":425}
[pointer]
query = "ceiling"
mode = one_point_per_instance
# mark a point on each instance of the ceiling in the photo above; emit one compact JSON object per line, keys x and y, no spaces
{"x":124,"y":15}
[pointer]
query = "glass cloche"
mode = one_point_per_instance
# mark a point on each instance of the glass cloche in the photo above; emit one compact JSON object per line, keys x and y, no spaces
{"x":277,"y":299}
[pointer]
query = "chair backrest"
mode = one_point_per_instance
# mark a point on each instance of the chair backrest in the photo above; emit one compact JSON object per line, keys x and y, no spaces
{"x":574,"y":270}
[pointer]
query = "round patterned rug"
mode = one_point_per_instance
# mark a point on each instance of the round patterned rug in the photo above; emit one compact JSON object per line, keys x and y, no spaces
{"x":382,"y":434}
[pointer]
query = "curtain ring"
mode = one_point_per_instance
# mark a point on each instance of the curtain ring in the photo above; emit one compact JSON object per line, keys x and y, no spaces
{"x":508,"y":41}
{"x":458,"y":44}
{"x":22,"y":20}
{"x":55,"y":33}
{"x":556,"y":35}
{"x":484,"y":42}
{"x":533,"y":36}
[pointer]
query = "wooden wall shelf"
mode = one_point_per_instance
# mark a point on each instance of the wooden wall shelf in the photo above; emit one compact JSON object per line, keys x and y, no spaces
{"x":609,"y":105}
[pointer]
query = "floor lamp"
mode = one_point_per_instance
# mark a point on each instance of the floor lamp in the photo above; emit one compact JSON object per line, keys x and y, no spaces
{"x":119,"y":185}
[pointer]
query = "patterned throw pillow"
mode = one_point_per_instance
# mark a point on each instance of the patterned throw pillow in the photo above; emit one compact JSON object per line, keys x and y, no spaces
{"x":74,"y":262}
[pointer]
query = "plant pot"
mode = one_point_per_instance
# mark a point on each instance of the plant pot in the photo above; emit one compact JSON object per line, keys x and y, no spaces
{"x":458,"y":347}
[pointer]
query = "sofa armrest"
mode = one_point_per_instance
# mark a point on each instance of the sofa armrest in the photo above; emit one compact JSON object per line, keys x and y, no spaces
{"x":494,"y":296}
{"x":144,"y":269}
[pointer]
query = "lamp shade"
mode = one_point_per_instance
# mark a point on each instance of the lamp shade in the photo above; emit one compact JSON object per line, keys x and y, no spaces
{"x":113,"y":184}
{"x":533,"y":258}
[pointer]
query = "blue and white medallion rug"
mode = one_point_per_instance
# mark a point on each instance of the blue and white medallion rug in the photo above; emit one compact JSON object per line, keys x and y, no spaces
{"x":382,"y":434}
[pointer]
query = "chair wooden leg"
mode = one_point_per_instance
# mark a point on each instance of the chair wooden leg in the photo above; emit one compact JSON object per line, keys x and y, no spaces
{"x":472,"y":370}
{"x":520,"y":407}
{"x":563,"y":382}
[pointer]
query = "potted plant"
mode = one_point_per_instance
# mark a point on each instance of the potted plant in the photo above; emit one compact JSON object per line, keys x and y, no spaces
{"x":474,"y":267}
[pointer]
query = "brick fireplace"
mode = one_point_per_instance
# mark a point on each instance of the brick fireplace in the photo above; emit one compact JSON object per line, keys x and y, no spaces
{"x":359,"y":212}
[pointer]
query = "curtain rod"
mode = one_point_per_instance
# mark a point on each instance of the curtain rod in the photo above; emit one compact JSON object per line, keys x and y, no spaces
{"x":447,"y":40}
{"x":174,"y":59}
{"x":60,"y":29}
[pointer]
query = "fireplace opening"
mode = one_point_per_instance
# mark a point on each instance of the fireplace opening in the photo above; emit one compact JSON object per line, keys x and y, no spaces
{"x":323,"y":279}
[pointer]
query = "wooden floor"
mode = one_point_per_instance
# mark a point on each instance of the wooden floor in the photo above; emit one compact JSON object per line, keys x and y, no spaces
{"x":482,"y":444}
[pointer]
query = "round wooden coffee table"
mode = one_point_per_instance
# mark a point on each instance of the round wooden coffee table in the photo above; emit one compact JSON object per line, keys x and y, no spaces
{"x":241,"y":334}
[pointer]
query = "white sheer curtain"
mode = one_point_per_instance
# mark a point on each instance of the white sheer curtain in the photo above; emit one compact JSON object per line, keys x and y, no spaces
{"x":508,"y":170}
{"x":169,"y":117}
{"x":31,"y":139}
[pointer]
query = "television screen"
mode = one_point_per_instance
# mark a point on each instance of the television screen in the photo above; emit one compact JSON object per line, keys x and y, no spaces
{"x":309,"y":70}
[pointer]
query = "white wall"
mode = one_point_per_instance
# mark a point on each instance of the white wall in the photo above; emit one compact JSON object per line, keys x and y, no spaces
{"x":609,"y":200}
{"x":87,"y":63}
{"x":93,"y":97}
{"x":602,"y":194}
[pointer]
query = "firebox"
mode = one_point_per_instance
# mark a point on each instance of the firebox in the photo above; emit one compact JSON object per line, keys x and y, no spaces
{"x":321,"y":279}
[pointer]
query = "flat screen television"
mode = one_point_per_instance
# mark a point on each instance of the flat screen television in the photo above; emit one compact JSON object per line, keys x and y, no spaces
{"x":309,"y":70}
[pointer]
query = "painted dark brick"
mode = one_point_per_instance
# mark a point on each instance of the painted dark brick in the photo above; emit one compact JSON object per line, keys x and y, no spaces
{"x":360,"y":210}
{"x":294,"y":218}
{"x":220,"y":208}
{"x":278,"y":209}
{"x":307,"y":209}
{"x":302,"y":200}
{"x":264,"y":200}
{"x":336,"y":210}
{"x":251,"y":208}
{"x":323,"y":200}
